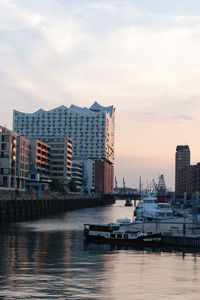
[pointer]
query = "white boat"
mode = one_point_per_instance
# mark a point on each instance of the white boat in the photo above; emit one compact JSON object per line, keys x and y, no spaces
{"x":150,"y":209}
{"x":111,"y":233}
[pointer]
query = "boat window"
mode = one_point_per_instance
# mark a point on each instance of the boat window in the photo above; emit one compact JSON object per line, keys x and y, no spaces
{"x":125,"y":235}
{"x":119,"y":235}
{"x":112,"y":235}
{"x":149,"y":201}
{"x":169,"y":214}
{"x":104,"y":228}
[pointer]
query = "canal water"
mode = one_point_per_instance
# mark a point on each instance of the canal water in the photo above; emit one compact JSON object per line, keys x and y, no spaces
{"x":48,"y":259}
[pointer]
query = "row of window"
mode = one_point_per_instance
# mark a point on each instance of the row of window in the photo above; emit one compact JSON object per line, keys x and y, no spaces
{"x":4,"y":154}
{"x":61,"y":115}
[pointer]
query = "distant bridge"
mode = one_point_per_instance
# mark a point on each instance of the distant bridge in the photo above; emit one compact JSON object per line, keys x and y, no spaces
{"x":124,"y":196}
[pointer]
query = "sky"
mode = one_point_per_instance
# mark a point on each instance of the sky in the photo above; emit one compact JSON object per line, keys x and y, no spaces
{"x":142,"y":56}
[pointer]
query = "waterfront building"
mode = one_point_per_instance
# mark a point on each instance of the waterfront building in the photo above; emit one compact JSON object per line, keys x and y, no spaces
{"x":60,"y":149}
{"x":189,"y":177}
{"x":77,"y":174}
{"x":89,"y":176}
{"x":104,"y":174}
{"x":39,"y":158}
{"x":184,"y":182}
{"x":91,"y":130}
{"x":182,"y":162}
{"x":14,"y":151}
{"x":195,"y":178}
{"x":83,"y":172}
{"x":22,"y":162}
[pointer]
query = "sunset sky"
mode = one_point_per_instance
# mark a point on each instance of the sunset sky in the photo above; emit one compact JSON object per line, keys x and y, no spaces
{"x":142,"y":56}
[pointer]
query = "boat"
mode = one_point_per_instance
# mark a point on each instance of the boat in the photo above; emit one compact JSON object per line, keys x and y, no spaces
{"x":124,"y":221}
{"x":111,"y":233}
{"x":150,"y":209}
{"x":128,"y":203}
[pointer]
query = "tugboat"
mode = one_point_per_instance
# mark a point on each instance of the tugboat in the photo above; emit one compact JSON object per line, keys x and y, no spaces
{"x":111,"y":233}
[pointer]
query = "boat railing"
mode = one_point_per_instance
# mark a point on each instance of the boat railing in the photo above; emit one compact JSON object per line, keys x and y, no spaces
{"x":180,"y":231}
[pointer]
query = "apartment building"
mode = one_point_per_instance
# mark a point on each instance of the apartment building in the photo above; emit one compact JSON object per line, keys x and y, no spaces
{"x":182,"y":162}
{"x":22,"y":162}
{"x":13,"y":159}
{"x":77,"y":174}
{"x":60,"y":148}
{"x":39,"y":158}
{"x":83,"y":173}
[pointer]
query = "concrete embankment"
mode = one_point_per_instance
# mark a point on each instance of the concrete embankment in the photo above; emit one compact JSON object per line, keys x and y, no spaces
{"x":12,"y":210}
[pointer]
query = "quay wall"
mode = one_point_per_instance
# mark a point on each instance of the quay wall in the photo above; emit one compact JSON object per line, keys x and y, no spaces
{"x":26,"y":209}
{"x":181,"y":241}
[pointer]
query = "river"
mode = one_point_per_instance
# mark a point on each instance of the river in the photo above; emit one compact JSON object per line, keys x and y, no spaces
{"x":48,"y":259}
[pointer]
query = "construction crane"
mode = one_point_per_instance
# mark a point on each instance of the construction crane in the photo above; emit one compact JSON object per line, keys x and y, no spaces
{"x":124,"y":186}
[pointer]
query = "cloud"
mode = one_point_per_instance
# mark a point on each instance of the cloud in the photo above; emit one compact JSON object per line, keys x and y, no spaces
{"x":152,"y":117}
{"x":16,"y":17}
{"x":183,"y":117}
{"x":98,"y":50}
{"x":142,"y":57}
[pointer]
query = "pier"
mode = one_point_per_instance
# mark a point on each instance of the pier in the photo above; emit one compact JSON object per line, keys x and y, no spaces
{"x":181,"y":241}
{"x":175,"y":232}
{"x":187,"y":236}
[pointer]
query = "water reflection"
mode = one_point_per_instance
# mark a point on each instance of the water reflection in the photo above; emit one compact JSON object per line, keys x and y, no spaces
{"x":48,"y":259}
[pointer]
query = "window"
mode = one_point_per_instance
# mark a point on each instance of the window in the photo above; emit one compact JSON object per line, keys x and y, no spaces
{"x":6,"y":171}
{"x":6,"y":154}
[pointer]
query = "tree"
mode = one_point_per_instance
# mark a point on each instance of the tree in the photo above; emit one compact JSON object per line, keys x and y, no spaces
{"x":57,"y":186}
{"x":72,"y":186}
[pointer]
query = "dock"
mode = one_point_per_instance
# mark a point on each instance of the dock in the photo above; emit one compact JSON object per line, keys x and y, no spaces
{"x":175,"y":232}
{"x":181,"y":241}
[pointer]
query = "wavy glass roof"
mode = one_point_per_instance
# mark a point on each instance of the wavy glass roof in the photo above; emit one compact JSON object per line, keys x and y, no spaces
{"x":96,"y":107}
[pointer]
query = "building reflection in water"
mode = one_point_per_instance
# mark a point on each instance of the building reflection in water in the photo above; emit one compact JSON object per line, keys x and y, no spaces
{"x":49,"y":259}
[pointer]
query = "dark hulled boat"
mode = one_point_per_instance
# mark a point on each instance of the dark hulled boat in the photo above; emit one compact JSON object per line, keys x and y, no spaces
{"x":111,"y":233}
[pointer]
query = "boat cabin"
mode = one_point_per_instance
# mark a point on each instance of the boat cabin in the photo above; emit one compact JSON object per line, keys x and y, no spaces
{"x":103,"y":228}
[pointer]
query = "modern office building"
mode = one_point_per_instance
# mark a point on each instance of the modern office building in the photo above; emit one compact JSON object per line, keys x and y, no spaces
{"x":14,"y":151}
{"x":60,"y":148}
{"x":39,"y":158}
{"x":91,"y":130}
{"x":182,"y":162}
